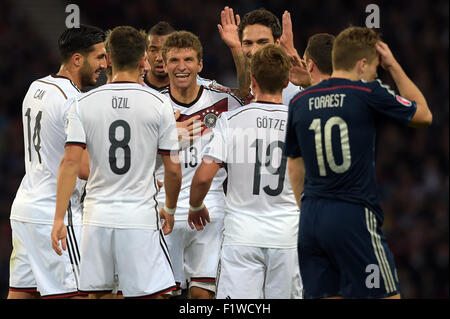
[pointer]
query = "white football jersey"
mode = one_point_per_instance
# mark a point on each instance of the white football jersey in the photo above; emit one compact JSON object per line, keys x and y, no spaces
{"x":123,"y":126}
{"x":260,"y":207}
{"x":209,"y":104}
{"x":44,"y":110}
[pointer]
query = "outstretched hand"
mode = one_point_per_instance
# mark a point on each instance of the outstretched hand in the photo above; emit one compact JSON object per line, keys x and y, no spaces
{"x":287,"y":38}
{"x":298,"y":74}
{"x":228,"y":28}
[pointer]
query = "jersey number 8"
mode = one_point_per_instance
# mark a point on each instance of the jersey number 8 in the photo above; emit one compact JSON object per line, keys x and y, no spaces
{"x":119,"y":144}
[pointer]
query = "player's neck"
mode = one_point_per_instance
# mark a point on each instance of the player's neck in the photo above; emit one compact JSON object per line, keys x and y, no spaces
{"x":349,"y":75}
{"x":71,"y":74}
{"x":126,"y":76}
{"x":157,"y":81}
{"x":268,"y":97}
{"x":319,"y":77}
{"x":185,"y":95}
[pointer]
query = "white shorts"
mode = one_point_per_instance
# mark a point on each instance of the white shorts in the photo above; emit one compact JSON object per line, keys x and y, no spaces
{"x":35,"y":266}
{"x":195,"y":254}
{"x":138,"y":257}
{"x":258,"y":273}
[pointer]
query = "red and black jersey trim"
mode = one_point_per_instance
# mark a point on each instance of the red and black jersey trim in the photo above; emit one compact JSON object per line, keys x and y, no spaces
{"x":167,"y":152}
{"x":356,"y":87}
{"x":65,"y":295}
{"x":105,"y":291}
{"x":23,"y":289}
{"x":154,"y":295}
{"x":203,"y":279}
{"x":65,"y":77}
{"x":81,"y":144}
{"x":215,"y":160}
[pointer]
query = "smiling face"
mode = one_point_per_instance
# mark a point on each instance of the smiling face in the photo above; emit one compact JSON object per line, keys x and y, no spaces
{"x":254,"y":37}
{"x":182,"y":66}
{"x":93,"y":65}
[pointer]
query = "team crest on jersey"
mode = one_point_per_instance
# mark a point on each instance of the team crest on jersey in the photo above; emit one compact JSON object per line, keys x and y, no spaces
{"x":210,"y":118}
{"x":403,"y":101}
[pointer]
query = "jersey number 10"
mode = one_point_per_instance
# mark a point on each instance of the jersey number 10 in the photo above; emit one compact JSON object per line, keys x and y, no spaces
{"x":345,"y":145}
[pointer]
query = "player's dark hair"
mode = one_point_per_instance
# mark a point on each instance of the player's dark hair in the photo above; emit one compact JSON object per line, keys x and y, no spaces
{"x":161,"y":28}
{"x":353,"y":44}
{"x":270,"y":66}
{"x":79,"y":40}
{"x":263,"y":17}
{"x":127,"y":46}
{"x":319,"y":50}
{"x":183,"y":40}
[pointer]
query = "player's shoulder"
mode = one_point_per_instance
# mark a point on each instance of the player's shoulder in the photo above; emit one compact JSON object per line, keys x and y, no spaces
{"x":124,"y":87}
{"x":57,"y":86}
{"x":218,"y":94}
{"x":254,"y":106}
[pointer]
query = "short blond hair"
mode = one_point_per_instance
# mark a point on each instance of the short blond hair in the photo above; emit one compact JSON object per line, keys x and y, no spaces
{"x":270,"y":66}
{"x":352,"y":45}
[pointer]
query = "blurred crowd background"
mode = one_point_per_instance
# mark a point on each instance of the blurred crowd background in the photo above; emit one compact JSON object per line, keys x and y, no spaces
{"x":412,"y":165}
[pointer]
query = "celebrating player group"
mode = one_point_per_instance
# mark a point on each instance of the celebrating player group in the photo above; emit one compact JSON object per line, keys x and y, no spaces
{"x":163,"y":184}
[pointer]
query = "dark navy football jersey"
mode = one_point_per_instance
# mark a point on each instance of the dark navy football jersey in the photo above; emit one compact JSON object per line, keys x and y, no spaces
{"x":333,"y":127}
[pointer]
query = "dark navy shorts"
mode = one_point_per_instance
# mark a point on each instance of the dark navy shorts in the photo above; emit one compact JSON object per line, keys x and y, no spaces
{"x":342,"y":252}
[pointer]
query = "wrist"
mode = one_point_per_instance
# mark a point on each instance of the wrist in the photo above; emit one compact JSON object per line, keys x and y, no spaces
{"x":170,"y":211}
{"x":196,"y":209}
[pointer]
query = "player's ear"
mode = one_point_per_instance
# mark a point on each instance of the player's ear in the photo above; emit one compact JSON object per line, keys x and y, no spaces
{"x":253,"y":83}
{"x":77,"y":59}
{"x":310,"y":65}
{"x":142,"y":62}
{"x":362,"y":66}
{"x":108,"y":59}
{"x":200,"y":66}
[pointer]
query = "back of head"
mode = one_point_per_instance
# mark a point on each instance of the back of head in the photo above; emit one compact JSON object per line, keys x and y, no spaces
{"x":352,"y":45}
{"x":79,"y":40}
{"x":126,"y":46}
{"x":262,"y":17}
{"x":161,"y":28}
{"x":183,"y":40}
{"x":270,"y":66}
{"x":319,"y":50}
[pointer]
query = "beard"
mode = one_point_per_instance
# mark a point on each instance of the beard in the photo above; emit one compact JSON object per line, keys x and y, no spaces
{"x":87,"y":75}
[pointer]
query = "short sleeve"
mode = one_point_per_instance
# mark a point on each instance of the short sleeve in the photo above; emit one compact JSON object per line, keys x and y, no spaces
{"x":291,"y":146}
{"x":234,"y":102}
{"x":168,"y":135}
{"x":75,"y":133}
{"x":217,"y":145}
{"x":385,"y":101}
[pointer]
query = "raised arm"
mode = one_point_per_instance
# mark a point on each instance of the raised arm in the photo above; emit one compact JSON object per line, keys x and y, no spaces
{"x":228,"y":30}
{"x":406,"y":87}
